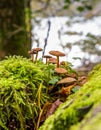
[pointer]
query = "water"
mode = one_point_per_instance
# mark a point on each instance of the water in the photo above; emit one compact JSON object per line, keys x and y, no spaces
{"x":58,"y":37}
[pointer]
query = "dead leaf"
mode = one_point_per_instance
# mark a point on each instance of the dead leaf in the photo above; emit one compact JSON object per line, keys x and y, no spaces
{"x":67,"y":90}
{"x":45,"y":108}
{"x":54,"y":106}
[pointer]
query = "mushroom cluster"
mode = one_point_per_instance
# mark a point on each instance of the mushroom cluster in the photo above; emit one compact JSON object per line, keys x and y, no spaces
{"x":67,"y":80}
{"x":33,"y":52}
{"x":49,"y":59}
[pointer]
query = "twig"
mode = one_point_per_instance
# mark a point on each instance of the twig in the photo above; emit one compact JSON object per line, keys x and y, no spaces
{"x":46,"y":39}
{"x":10,"y":34}
{"x":39,"y":118}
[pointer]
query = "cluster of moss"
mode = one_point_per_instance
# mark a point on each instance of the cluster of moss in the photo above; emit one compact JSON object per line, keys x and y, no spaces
{"x":81,"y":110}
{"x":22,"y":92}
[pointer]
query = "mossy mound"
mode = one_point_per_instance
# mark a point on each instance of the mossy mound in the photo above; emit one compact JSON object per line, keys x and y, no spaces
{"x":82,"y":110}
{"x":25,"y":87}
{"x":22,"y":92}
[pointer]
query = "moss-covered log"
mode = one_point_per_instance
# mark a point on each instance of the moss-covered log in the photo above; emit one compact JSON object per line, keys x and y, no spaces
{"x":81,"y":111}
{"x":13,"y":34}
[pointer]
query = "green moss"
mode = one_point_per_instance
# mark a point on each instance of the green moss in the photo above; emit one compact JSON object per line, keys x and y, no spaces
{"x":78,"y":107}
{"x":22,"y":83}
{"x":92,"y":120}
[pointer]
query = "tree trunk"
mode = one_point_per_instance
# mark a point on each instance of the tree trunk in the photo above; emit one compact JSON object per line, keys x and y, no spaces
{"x":14,"y":38}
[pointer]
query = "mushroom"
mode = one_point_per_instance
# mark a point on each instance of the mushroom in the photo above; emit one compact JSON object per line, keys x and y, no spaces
{"x":67,"y":80}
{"x":63,"y":63}
{"x":82,"y":80}
{"x":57,"y":54}
{"x":53,"y":60}
{"x":47,"y":57}
{"x":37,"y":50}
{"x":32,"y":54}
{"x":60,"y":70}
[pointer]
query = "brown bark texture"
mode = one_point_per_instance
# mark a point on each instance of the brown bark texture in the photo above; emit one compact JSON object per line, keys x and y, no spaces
{"x":14,"y":38}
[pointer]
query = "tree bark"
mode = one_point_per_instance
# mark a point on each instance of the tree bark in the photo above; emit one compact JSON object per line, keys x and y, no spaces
{"x":14,"y":38}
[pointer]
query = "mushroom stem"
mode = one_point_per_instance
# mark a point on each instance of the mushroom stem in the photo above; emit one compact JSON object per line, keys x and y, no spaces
{"x":57,"y":61}
{"x":46,"y":60}
{"x":57,"y":54}
{"x":36,"y":56}
{"x":32,"y":57}
{"x":36,"y":50}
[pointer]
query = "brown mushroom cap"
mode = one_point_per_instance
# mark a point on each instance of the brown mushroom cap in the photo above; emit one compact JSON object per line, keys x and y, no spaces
{"x":67,"y":80}
{"x":82,"y":78}
{"x":47,"y":56}
{"x":56,"y":53}
{"x":63,"y":63}
{"x":32,"y":52}
{"x":60,"y":70}
{"x":37,"y":49}
{"x":52,"y":60}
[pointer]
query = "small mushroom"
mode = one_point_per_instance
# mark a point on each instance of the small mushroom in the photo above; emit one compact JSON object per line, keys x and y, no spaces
{"x":60,"y":70}
{"x":32,"y":54}
{"x":37,"y":50}
{"x":82,"y":80}
{"x":53,"y":60}
{"x":67,"y":80}
{"x":63,"y":63}
{"x":57,"y":54}
{"x":47,"y":57}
